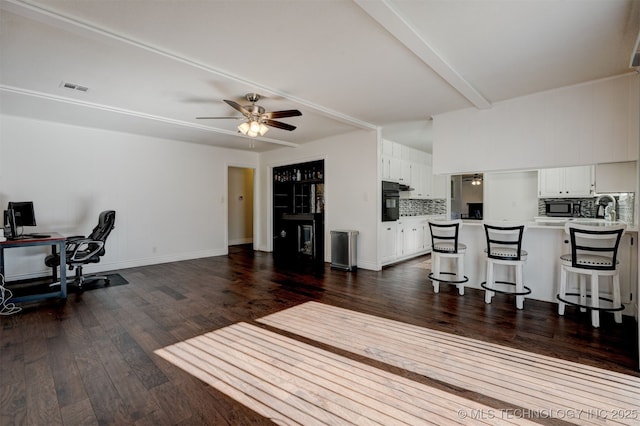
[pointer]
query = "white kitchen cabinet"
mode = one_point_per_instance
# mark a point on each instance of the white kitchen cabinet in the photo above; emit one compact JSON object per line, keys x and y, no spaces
{"x":415,"y":236}
{"x":385,"y":168}
{"x":426,"y":236}
{"x":404,"y":238}
{"x":419,"y":181}
{"x":393,"y":166}
{"x":405,"y":172}
{"x":397,"y":150}
{"x":409,"y":166}
{"x":438,"y":186}
{"x":550,"y":182}
{"x":400,"y":239}
{"x":616,"y":177}
{"x":387,"y":148}
{"x":388,"y":236}
{"x":427,"y":185}
{"x":566,"y":182}
{"x":410,"y":239}
{"x":411,"y":236}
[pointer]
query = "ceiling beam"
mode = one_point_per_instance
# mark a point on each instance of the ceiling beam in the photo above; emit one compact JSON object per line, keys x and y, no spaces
{"x":122,"y":111}
{"x":386,"y":14}
{"x":42,"y":14}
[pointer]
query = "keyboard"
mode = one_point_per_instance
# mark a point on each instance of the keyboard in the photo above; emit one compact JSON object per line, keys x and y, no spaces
{"x":38,"y":235}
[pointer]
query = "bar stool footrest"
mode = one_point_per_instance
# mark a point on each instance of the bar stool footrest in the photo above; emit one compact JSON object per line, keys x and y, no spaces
{"x":526,"y":291}
{"x":432,"y":278}
{"x":581,"y":305}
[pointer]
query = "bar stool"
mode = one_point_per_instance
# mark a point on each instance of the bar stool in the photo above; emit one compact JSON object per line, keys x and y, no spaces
{"x":594,"y":254}
{"x":504,"y":247}
{"x":445,"y":245}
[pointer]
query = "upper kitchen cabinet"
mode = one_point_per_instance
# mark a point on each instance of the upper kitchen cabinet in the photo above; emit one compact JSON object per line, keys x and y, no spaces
{"x":394,"y":167}
{"x":411,"y":167}
{"x":566,"y":182}
{"x":616,"y":177}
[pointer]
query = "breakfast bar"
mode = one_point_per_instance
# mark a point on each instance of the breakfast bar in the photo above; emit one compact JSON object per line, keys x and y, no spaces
{"x":545,"y":242}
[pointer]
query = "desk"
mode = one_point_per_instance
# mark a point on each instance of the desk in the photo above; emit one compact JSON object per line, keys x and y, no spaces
{"x":57,"y":241}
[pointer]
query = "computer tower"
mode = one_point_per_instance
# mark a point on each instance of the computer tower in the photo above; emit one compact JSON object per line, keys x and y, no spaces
{"x":10,"y":230}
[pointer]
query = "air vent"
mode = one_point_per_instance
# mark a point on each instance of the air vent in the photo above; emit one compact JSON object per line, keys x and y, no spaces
{"x":74,"y":86}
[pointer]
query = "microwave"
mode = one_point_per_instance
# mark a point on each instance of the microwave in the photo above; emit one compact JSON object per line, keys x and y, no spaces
{"x":563,"y":208}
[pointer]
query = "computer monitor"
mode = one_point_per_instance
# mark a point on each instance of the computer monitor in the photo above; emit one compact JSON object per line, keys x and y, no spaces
{"x":23,"y":212}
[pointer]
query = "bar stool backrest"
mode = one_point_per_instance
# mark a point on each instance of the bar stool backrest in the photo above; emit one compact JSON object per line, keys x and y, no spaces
{"x":594,"y":247}
{"x":504,"y":241}
{"x":444,"y":235}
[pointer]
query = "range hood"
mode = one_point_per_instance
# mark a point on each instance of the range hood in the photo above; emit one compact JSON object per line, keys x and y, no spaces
{"x":404,"y":187}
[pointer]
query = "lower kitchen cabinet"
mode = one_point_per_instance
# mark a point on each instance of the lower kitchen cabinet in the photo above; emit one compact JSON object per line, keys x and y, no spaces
{"x":405,"y":238}
{"x":388,"y":231}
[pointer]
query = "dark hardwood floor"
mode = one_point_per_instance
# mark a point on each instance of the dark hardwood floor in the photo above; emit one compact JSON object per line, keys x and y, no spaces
{"x":91,"y":360}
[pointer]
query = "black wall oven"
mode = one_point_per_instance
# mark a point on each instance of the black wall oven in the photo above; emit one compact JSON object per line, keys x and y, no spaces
{"x":390,"y":201}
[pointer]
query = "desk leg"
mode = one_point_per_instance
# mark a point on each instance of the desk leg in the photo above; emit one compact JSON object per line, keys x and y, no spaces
{"x":2,"y":261}
{"x":63,"y":270}
{"x":54,"y":269}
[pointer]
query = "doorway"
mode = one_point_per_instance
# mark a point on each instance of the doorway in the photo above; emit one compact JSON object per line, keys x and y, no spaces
{"x":240,"y":206}
{"x":467,"y":196}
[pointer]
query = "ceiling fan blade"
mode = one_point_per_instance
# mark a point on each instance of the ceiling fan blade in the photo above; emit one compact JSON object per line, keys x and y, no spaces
{"x":238,"y":107}
{"x":283,"y":114}
{"x":216,"y":118}
{"x":279,"y":125}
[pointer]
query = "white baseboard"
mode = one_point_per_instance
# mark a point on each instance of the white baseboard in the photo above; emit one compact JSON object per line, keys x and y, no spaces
{"x":239,"y":241}
{"x":106,"y":266}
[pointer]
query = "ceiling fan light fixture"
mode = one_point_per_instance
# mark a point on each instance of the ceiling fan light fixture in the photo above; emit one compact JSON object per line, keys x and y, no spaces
{"x":244,"y":128}
{"x":253,"y":128}
{"x":258,"y":120}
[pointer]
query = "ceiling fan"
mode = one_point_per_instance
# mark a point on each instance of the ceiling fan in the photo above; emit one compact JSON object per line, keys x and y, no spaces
{"x":258,"y":120}
{"x":475,"y":179}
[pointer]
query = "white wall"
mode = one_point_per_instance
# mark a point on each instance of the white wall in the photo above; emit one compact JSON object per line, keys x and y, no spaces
{"x":240,"y":205}
{"x":351,"y":189}
{"x":170,"y":196}
{"x":511,"y":196}
{"x":595,"y":122}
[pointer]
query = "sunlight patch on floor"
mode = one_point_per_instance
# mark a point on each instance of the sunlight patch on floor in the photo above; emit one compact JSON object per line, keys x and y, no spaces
{"x":562,"y":389}
{"x":291,"y":382}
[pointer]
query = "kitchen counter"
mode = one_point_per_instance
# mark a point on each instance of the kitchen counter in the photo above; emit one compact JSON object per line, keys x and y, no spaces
{"x":545,"y":241}
{"x":557,"y":223}
{"x":424,"y":216}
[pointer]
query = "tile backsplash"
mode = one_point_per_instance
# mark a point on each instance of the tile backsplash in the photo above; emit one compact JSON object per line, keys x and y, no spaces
{"x":414,"y":207}
{"x":624,"y":205}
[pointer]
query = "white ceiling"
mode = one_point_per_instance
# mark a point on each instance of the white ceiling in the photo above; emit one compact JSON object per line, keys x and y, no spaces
{"x":153,"y":66}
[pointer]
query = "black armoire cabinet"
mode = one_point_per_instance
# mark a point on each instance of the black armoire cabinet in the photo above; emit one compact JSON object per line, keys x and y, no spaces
{"x":298,"y":212}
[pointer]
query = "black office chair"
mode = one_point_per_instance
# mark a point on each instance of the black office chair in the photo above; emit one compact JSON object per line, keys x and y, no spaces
{"x":81,"y":251}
